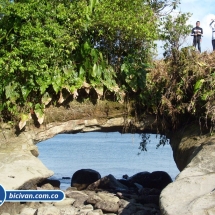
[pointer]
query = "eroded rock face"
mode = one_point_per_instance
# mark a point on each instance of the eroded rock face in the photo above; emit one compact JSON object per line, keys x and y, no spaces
{"x":193,"y":192}
{"x":19,"y":167}
{"x":194,"y":154}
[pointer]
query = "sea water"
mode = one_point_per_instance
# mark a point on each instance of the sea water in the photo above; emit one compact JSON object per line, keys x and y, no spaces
{"x":108,"y":153}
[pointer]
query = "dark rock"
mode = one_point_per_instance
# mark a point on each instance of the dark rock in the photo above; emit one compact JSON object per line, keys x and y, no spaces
{"x":128,"y":210}
{"x":84,"y":177}
{"x":141,"y":178}
{"x":156,"y":179}
{"x":143,"y":212}
{"x":126,"y":183}
{"x":150,"y":191}
{"x":66,"y":177}
{"x":53,"y":182}
{"x":125,"y":176}
{"x":150,"y":199}
{"x":108,"y":183}
{"x":159,"y":179}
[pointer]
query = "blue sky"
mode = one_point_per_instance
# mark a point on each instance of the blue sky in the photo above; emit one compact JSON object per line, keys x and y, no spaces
{"x":203,"y":11}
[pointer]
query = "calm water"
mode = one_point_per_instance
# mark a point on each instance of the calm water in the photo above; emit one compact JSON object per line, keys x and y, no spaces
{"x":107,"y":153}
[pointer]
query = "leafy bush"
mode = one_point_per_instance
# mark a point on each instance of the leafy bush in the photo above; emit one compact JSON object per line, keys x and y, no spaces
{"x":183,"y":91}
{"x":49,"y":47}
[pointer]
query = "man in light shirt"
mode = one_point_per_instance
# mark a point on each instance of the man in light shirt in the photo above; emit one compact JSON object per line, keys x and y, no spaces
{"x":197,"y":33}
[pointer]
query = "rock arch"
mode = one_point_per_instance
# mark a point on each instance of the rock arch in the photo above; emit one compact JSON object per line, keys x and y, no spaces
{"x":193,"y":190}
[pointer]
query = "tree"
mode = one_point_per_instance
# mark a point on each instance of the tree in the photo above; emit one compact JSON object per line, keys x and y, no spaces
{"x":48,"y":48}
{"x":174,"y":32}
{"x":163,"y":7}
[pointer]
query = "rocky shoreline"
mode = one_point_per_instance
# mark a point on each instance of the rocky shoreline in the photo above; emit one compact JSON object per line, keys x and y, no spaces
{"x":105,"y":196}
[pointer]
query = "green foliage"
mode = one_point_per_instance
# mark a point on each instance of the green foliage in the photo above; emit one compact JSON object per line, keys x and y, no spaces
{"x":184,"y":90}
{"x":146,"y":139}
{"x":34,"y":49}
{"x":163,"y":7}
{"x":173,"y":32}
{"x":49,"y":47}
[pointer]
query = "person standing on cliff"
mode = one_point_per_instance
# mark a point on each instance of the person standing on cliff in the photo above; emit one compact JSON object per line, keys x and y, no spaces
{"x":197,"y":33}
{"x":213,"y":34}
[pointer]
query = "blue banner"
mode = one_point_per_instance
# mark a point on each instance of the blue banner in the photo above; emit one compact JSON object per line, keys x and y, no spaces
{"x":30,"y":195}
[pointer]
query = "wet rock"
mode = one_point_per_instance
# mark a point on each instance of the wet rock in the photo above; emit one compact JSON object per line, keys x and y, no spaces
{"x":107,"y":183}
{"x":65,"y":177}
{"x":84,"y":177}
{"x":127,"y":183}
{"x":156,"y":179}
{"x":143,"y":212}
{"x":55,"y":183}
{"x":159,"y":180}
{"x":128,"y":210}
{"x":150,"y":199}
{"x":150,"y":191}
{"x":140,"y":178}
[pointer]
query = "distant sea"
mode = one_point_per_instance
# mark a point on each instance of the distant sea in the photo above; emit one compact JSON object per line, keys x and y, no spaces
{"x":108,"y":153}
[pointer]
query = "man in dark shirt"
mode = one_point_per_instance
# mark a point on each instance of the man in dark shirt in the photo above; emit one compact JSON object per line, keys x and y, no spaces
{"x":197,"y":33}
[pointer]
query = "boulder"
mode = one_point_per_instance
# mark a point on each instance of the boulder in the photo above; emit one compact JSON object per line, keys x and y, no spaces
{"x":149,"y":199}
{"x":78,"y":196}
{"x":127,"y":183}
{"x":193,"y":189}
{"x":106,"y":206}
{"x":108,"y":182}
{"x":82,"y":178}
{"x":19,"y":168}
{"x":140,"y":178}
{"x":22,"y":171}
{"x":65,"y":202}
{"x":157,"y":179}
{"x":46,"y":187}
{"x":95,"y":212}
{"x":53,"y":182}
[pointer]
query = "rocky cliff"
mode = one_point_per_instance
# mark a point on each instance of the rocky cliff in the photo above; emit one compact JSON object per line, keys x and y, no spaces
{"x":193,"y":192}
